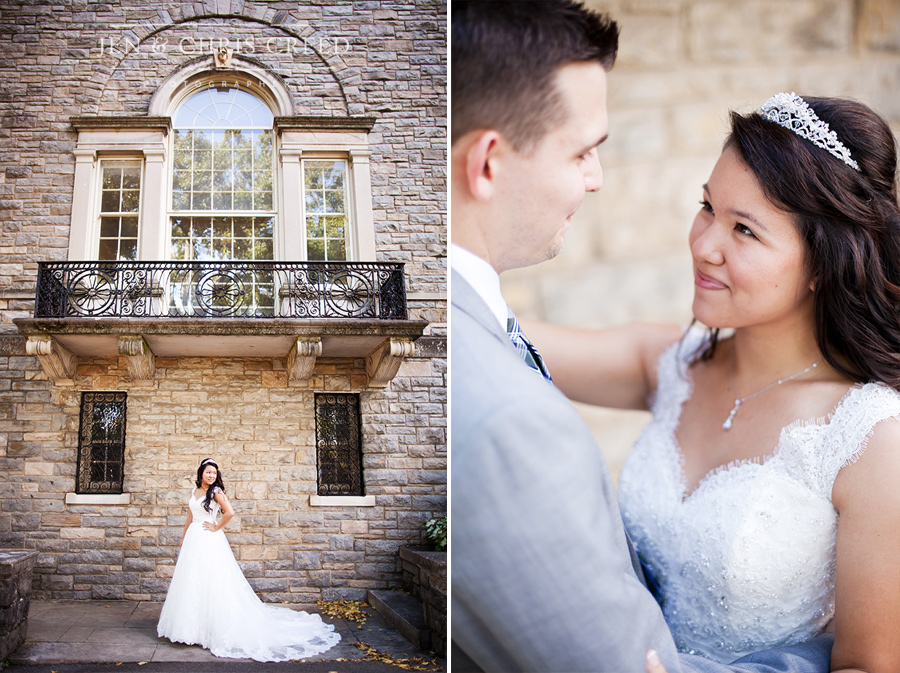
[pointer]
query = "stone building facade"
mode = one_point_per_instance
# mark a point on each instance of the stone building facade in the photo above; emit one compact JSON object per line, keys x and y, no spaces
{"x":341,"y":100}
{"x":682,"y":66}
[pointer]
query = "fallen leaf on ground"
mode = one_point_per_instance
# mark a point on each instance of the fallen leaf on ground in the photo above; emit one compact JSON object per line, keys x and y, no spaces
{"x":349,"y":610}
{"x":412,"y":664}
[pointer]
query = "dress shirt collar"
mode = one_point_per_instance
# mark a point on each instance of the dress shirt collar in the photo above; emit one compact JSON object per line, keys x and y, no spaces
{"x":483,"y":279}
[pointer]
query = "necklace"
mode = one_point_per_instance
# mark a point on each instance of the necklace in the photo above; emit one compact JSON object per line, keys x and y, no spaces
{"x":740,"y":400}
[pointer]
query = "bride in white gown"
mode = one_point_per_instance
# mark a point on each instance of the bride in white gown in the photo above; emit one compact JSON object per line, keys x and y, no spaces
{"x":762,"y":498}
{"x":210,"y":603}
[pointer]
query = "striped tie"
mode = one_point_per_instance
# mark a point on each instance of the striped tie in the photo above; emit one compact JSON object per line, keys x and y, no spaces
{"x":526,"y":349}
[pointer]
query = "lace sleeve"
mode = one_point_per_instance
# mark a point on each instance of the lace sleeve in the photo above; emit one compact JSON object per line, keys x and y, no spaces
{"x":852,"y":423}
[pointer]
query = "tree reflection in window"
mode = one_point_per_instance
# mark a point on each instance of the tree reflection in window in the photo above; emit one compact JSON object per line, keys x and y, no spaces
{"x":325,"y":198}
{"x":223,"y":166}
{"x":223,"y":201}
{"x":120,"y":200}
{"x":101,"y":443}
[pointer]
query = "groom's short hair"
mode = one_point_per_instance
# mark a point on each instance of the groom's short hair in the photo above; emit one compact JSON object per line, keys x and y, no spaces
{"x":504,"y":56}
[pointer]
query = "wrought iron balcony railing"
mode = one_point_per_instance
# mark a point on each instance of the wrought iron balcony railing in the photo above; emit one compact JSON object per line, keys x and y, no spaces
{"x":233,"y":289}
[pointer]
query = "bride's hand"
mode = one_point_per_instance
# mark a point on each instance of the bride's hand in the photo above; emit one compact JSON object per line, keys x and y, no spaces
{"x":210,"y":526}
{"x":654,"y":665}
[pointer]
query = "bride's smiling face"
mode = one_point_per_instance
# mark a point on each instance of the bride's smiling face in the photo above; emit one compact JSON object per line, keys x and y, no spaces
{"x":209,"y":475}
{"x":749,"y":259}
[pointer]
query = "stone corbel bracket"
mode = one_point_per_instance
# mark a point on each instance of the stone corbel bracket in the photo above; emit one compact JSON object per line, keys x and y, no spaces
{"x":384,"y":362}
{"x":58,"y":362}
{"x":301,"y":361}
{"x":138,"y":356}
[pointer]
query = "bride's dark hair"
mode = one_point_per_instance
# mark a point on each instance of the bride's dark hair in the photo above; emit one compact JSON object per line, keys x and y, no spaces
{"x":218,"y":483}
{"x":850,"y":223}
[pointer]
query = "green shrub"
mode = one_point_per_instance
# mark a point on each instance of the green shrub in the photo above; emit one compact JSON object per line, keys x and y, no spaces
{"x":436,"y":533}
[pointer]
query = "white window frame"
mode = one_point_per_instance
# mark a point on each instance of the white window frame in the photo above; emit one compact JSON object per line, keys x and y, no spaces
{"x":235,"y":83}
{"x":350,"y":237}
{"x":148,"y":137}
{"x":109,"y":138}
{"x":99,"y":193}
{"x":348,"y":145}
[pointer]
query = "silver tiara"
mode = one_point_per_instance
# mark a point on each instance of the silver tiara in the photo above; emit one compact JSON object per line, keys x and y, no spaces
{"x":793,"y":113}
{"x":208,"y":460}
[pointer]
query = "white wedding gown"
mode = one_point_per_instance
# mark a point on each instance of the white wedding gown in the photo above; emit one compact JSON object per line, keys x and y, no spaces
{"x":210,"y":603}
{"x":745,"y":562}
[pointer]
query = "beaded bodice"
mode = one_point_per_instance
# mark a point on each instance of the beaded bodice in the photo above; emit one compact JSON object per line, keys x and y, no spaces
{"x":747,"y":560}
{"x":199,"y":513}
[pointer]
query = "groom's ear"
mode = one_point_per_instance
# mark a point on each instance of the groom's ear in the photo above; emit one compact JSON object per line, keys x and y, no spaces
{"x":479,"y":166}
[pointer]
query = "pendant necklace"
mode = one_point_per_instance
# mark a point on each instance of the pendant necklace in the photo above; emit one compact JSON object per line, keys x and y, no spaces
{"x":740,"y":400}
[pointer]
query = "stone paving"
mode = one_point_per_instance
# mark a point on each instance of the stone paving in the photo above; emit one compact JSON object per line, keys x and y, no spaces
{"x":79,"y":632}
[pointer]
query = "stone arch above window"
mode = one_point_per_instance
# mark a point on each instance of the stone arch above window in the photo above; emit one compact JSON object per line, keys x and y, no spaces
{"x":244,"y":75}
{"x":131,"y":68}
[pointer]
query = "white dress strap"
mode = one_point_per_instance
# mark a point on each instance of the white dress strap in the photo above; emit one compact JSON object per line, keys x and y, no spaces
{"x":673,"y":385}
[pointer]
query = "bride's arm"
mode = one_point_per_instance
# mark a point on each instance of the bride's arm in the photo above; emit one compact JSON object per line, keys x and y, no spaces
{"x":190,"y":518}
{"x":867,"y":600}
{"x":227,"y":510}
{"x":610,"y":368}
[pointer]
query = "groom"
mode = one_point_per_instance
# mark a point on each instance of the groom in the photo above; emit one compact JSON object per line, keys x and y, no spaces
{"x":542,"y":575}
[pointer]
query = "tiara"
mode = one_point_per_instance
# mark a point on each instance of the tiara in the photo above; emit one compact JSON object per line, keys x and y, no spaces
{"x":208,"y":460}
{"x":793,"y":113}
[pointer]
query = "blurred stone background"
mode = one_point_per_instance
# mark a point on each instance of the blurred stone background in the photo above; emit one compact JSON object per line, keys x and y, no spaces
{"x":682,"y":65}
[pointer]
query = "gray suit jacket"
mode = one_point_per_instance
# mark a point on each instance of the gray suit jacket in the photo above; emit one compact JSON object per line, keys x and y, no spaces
{"x":541,"y":575}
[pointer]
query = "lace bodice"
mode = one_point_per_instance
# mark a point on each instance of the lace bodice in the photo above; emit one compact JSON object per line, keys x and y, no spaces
{"x":198,"y":513}
{"x":746,"y":561}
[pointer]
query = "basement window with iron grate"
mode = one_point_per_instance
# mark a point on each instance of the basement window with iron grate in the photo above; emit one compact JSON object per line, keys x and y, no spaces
{"x":338,"y":444}
{"x":101,"y":443}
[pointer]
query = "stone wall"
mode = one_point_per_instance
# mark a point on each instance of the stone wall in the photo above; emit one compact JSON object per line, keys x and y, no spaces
{"x":424,"y":575}
{"x":15,"y":598}
{"x":683,"y":64}
{"x":363,"y":58}
{"x":379,"y":59}
{"x":261,"y":430}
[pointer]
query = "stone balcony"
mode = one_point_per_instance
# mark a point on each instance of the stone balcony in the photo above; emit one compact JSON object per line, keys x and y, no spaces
{"x":296,"y":310}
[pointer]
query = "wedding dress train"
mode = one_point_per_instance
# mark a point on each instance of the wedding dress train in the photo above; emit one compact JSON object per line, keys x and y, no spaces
{"x":210,"y":603}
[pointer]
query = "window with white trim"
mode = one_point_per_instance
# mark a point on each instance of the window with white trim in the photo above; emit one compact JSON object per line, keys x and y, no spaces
{"x":120,"y":201}
{"x":325,"y":208}
{"x":223,"y":201}
{"x":225,"y":172}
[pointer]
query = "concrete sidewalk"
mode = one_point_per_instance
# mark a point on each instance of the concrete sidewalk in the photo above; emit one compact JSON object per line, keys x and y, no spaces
{"x":121,"y":632}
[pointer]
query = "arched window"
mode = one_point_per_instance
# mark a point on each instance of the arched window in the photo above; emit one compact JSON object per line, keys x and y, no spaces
{"x":221,"y":169}
{"x":223,"y":200}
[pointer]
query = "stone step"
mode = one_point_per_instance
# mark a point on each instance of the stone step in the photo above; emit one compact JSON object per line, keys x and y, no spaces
{"x":404,"y":613}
